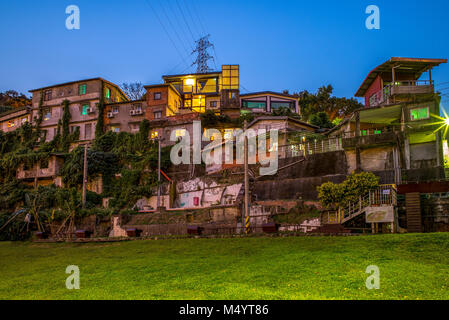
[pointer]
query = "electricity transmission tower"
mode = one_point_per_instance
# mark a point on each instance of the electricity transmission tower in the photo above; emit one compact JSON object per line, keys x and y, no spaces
{"x":202,"y":45}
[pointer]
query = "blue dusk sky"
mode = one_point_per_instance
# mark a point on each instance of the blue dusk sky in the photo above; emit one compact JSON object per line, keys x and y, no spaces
{"x":279,"y":45}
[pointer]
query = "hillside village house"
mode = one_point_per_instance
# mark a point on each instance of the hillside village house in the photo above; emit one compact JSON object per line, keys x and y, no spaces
{"x":392,"y":136}
{"x":83,"y":96}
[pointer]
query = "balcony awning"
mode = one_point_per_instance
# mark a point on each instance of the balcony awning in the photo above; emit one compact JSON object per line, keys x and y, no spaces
{"x":381,"y":115}
{"x":414,"y":66}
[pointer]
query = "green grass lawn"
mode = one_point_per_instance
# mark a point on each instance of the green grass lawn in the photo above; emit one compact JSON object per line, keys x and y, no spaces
{"x":411,"y":267}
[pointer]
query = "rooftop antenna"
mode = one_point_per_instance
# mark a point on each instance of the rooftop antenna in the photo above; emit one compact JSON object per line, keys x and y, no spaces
{"x":202,"y":45}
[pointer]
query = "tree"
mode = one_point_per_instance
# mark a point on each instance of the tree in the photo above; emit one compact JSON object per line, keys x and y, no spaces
{"x":334,"y":195}
{"x":13,"y":99}
{"x":134,"y":91}
{"x":323,"y":101}
{"x":286,"y":112}
{"x":321,"y":119}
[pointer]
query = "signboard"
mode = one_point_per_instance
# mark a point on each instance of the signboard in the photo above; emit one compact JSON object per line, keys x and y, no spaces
{"x":379,"y":214}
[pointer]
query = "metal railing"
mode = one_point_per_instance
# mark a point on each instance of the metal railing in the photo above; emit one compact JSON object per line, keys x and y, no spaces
{"x":308,"y":148}
{"x":385,"y":195}
{"x":400,"y":87}
{"x":369,"y":132}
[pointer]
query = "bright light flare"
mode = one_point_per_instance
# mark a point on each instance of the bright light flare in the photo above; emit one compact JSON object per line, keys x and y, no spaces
{"x":444,"y":122}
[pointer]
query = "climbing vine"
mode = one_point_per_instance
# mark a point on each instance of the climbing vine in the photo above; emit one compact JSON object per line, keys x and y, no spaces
{"x":99,"y":129}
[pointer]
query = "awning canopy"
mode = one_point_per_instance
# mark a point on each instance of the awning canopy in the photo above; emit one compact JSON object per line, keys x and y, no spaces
{"x":415,"y":66}
{"x":381,"y":115}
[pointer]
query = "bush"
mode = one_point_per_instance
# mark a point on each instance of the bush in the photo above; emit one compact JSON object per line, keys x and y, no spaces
{"x":334,"y":195}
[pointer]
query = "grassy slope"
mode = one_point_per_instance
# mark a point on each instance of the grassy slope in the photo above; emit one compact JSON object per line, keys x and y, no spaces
{"x":411,"y":266}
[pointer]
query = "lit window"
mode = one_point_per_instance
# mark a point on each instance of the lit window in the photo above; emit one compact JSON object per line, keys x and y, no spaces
{"x":108,"y":93}
{"x":24,"y":120}
{"x":11,"y":124}
{"x":230,"y":77}
{"x":47,"y":114}
{"x":377,"y":131}
{"x":154,"y":134}
{"x":190,"y":82}
{"x":420,"y":114}
{"x":180,"y":133}
{"x":85,"y":109}
{"x":82,"y":89}
{"x":115,"y":129}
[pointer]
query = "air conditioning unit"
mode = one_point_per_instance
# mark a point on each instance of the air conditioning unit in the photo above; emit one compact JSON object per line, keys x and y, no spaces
{"x":132,"y":112}
{"x":110,"y":115}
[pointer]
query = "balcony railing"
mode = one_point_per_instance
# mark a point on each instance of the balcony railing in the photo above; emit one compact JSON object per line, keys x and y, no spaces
{"x":367,"y":137}
{"x":401,"y":88}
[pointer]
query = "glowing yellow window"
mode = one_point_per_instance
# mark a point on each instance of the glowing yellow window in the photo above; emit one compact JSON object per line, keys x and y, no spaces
{"x":180,"y":133}
{"x":154,"y":134}
{"x":11,"y":124}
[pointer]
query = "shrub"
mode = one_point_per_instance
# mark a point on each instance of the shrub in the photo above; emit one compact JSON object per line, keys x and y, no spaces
{"x":333,"y":195}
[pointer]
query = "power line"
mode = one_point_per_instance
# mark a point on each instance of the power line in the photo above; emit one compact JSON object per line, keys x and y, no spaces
{"x":185,"y":20}
{"x":191,"y":18}
{"x":200,"y":22}
{"x":199,"y":18}
{"x":166,"y":32}
{"x":182,"y":30}
{"x":244,"y":88}
{"x":174,"y":29}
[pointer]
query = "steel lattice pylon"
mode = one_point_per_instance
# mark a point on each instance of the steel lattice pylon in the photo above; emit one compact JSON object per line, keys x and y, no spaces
{"x":202,"y":45}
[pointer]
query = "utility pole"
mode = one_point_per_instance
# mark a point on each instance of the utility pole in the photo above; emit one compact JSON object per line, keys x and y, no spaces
{"x":85,"y":176}
{"x":159,"y":174}
{"x":246,"y":212}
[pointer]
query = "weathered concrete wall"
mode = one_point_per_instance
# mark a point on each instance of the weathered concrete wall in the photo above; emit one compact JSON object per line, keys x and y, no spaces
{"x":293,"y":188}
{"x":423,"y":155}
{"x":317,"y":165}
{"x":373,"y":159}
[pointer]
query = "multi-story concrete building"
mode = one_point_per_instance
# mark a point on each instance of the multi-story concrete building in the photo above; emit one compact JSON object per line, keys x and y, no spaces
{"x":14,"y":119}
{"x":395,"y":134}
{"x":83,"y":96}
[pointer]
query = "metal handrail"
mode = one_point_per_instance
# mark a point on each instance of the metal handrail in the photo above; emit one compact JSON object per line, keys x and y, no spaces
{"x":384,"y":195}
